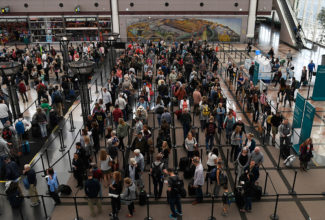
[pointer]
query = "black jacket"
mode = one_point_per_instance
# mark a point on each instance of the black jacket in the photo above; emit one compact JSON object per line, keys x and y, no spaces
{"x":92,"y":188}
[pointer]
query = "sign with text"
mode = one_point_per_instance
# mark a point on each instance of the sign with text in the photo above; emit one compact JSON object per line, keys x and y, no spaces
{"x":299,"y":111}
{"x":319,"y":91}
{"x":307,"y":123}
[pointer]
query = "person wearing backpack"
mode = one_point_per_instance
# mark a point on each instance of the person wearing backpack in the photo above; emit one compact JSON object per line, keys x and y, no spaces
{"x":204,"y":112}
{"x":210,"y":133}
{"x":41,"y":92}
{"x":157,"y":171}
{"x":57,"y":101}
{"x":174,"y":194}
{"x":159,"y":109}
{"x":129,"y":195}
{"x":228,"y":124}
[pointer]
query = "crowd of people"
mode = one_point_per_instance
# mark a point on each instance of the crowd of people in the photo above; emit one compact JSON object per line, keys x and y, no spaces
{"x":168,"y":81}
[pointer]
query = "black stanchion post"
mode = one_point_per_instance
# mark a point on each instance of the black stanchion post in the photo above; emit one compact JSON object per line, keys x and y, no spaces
{"x":227,"y":158}
{"x":274,"y":216}
{"x":266,"y":177}
{"x":292,"y":191}
{"x":148,"y":215}
{"x":43,"y":167}
{"x":149,"y":179}
{"x":201,"y":154}
{"x":70,"y":171}
{"x":207,"y":194}
{"x":123,"y":158}
{"x":47,"y":158}
{"x":235,"y":185}
{"x":175,"y":160}
{"x":62,"y":146}
{"x":96,"y":87}
{"x":212,"y":208}
{"x":101,"y":78}
{"x":278,"y":165}
{"x":72,"y":127}
{"x":76,"y":207}
{"x":44,"y":207}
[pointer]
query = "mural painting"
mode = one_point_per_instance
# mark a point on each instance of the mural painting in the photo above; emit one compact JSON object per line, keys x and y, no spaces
{"x":214,"y":29}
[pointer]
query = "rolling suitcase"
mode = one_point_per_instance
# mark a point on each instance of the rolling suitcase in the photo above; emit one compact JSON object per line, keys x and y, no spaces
{"x":285,"y":151}
{"x":142,"y":197}
{"x":183,"y":163}
{"x":257,"y":192}
{"x":189,"y":172}
{"x":25,"y":148}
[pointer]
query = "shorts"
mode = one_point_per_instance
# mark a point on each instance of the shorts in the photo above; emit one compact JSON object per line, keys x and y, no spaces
{"x":107,"y":171}
{"x":274,"y":130}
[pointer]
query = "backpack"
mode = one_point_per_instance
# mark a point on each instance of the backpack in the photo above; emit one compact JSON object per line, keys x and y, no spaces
{"x":211,"y":128}
{"x":228,"y":197}
{"x":41,"y":88}
{"x":99,"y":117}
{"x":6,"y":134}
{"x":156,"y":171}
{"x":20,"y":128}
{"x":57,"y":98}
{"x":160,"y":110}
{"x":229,"y":124}
{"x":205,"y":111}
{"x":178,"y":187}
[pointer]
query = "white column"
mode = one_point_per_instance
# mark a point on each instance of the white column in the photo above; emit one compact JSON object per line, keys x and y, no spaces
{"x":115,"y":17}
{"x":251,"y":19}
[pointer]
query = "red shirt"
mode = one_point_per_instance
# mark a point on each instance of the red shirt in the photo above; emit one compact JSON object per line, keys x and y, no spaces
{"x":117,"y":114}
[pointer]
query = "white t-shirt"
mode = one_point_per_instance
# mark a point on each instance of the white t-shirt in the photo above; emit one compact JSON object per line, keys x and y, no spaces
{"x":3,"y":110}
{"x":107,"y":98}
{"x":211,"y":159}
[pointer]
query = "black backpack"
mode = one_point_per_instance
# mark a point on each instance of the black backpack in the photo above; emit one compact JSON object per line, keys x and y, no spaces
{"x":178,"y":187}
{"x":57,"y":98}
{"x":156,"y":171}
{"x":6,"y":134}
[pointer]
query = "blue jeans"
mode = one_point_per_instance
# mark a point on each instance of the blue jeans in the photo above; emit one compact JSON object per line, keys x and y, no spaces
{"x":209,"y":141}
{"x":43,"y":129}
{"x":199,"y":194}
{"x":248,"y":203}
{"x":175,"y":201}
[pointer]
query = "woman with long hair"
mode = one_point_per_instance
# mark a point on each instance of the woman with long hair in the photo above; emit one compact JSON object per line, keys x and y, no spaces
{"x":236,"y":142}
{"x":306,"y":153}
{"x":105,"y":165}
{"x":115,"y":188}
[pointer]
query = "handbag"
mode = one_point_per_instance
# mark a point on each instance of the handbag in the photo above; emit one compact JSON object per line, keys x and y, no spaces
{"x":314,"y":73}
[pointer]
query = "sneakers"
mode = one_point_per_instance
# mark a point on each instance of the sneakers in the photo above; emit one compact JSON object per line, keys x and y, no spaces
{"x":172,"y":217}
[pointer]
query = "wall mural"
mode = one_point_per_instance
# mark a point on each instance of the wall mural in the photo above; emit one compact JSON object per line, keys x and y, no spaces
{"x":214,"y":29}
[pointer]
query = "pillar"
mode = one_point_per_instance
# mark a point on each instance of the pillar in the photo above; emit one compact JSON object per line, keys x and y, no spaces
{"x":251,"y":19}
{"x":115,"y":17}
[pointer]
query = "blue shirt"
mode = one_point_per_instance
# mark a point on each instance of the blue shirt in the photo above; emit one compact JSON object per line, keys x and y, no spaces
{"x":53,"y":183}
{"x":311,"y":66}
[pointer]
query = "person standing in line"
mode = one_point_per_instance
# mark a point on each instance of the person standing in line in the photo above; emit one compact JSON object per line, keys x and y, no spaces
{"x":186,"y":122}
{"x":31,"y":178}
{"x":4,"y":112}
{"x":157,"y":171}
{"x":285,"y":138}
{"x":311,"y":68}
{"x":306,"y":153}
{"x":174,"y":196}
{"x":92,"y":188}
{"x":115,"y":188}
{"x":22,"y":90}
{"x":275,"y":123}
{"x":107,"y":99}
{"x":198,"y":180}
{"x":197,"y":98}
{"x":52,"y":181}
{"x":129,"y":195}
{"x":42,"y":121}
{"x":210,"y":133}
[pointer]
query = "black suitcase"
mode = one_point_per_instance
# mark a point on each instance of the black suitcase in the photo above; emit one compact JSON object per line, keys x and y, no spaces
{"x":142,"y":197}
{"x":189,"y":172}
{"x":183,"y":163}
{"x":65,"y":189}
{"x":190,"y":189}
{"x":239,"y":198}
{"x":257,"y":192}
